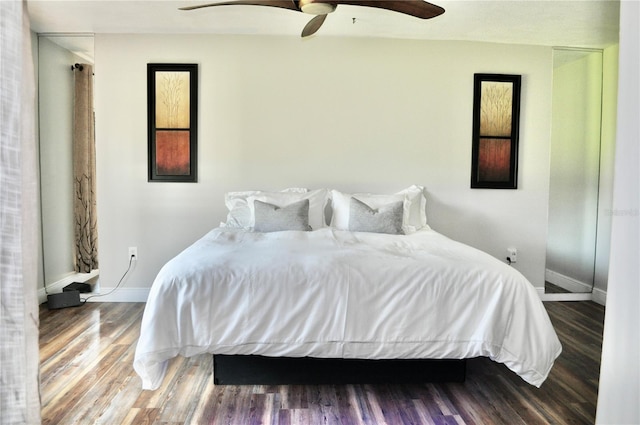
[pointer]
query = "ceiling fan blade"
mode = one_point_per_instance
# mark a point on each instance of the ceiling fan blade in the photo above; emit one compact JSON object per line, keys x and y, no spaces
{"x":284,"y":4}
{"x":417,"y":8}
{"x":313,"y":25}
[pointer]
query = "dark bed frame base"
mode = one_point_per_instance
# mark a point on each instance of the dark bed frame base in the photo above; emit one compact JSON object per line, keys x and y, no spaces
{"x":259,"y":370}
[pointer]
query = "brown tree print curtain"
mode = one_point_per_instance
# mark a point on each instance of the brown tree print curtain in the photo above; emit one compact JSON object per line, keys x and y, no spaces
{"x":84,"y":170}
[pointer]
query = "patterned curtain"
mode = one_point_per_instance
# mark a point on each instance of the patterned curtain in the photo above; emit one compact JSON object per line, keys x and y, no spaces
{"x":19,"y":354}
{"x":84,"y":171}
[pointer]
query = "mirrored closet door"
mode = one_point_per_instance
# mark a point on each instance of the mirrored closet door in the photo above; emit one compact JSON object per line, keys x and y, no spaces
{"x":57,"y":54}
{"x":575,"y":170}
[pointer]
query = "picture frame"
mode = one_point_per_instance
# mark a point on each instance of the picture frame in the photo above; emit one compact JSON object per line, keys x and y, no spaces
{"x":496,"y":125}
{"x":172,"y":119}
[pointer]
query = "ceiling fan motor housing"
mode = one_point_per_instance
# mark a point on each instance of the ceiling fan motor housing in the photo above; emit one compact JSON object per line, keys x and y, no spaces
{"x":316,"y":7}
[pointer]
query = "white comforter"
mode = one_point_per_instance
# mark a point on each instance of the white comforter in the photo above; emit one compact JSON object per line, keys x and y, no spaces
{"x":333,"y":293}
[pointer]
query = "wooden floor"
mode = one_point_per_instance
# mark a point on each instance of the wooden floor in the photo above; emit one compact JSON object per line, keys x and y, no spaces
{"x":550,"y":288}
{"x":87,"y":378}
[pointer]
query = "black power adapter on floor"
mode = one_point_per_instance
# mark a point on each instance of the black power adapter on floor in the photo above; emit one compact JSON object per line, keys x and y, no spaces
{"x":77,"y":286}
{"x":63,"y":300}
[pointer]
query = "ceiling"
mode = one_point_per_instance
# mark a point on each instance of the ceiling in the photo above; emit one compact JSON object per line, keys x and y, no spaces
{"x":580,"y":23}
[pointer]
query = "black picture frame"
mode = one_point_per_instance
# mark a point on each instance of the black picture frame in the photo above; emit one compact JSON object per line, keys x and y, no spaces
{"x":172,"y":120}
{"x":496,"y":127}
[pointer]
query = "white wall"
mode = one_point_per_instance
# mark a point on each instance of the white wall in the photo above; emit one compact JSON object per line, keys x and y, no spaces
{"x":619,"y":390}
{"x":354,"y":114}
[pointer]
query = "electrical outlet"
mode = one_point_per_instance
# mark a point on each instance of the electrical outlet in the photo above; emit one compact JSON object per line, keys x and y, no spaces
{"x":133,"y":252}
{"x":512,"y":255}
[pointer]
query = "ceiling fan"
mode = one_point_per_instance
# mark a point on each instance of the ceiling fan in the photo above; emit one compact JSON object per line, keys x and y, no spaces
{"x":320,"y":8}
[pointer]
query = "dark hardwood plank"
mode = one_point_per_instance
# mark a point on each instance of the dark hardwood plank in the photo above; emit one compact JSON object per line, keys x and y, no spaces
{"x":550,"y":288}
{"x":87,"y":376}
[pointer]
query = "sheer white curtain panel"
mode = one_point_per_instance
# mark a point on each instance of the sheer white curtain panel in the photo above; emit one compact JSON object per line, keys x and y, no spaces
{"x":19,"y":354}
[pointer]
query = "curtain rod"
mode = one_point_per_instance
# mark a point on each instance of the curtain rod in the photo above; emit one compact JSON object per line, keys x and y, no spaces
{"x":77,"y":66}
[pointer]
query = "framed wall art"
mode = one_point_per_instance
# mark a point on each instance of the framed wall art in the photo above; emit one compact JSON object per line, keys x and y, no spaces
{"x":496,"y":117}
{"x":172,"y":114}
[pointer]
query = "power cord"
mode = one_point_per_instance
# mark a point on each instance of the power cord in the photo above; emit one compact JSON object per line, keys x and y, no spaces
{"x":84,"y":300}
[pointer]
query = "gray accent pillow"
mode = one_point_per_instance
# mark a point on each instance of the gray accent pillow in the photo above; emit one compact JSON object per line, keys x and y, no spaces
{"x":386,"y":219}
{"x":272,"y":218}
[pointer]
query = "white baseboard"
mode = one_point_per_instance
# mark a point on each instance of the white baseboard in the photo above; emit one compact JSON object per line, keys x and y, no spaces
{"x":120,"y":295}
{"x":566,"y":282}
{"x":55,"y":287}
{"x":599,"y":296}
{"x":578,"y":291}
{"x":567,"y":296}
{"x":140,"y":295}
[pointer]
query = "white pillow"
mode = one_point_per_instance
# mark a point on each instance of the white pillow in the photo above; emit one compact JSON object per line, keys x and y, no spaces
{"x":414,"y":203}
{"x":317,"y":202}
{"x":239,"y":215}
{"x":416,"y":208}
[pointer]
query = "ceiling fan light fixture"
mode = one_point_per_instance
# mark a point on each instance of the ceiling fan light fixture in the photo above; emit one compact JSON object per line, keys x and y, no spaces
{"x":318,"y":8}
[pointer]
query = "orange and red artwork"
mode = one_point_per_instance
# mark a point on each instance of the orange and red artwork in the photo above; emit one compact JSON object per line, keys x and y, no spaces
{"x":172,"y":153}
{"x":495,"y":131}
{"x":172,"y":115}
{"x":494,"y":160}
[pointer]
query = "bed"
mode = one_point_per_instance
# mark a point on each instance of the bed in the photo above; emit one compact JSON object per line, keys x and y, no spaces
{"x":334,"y":292}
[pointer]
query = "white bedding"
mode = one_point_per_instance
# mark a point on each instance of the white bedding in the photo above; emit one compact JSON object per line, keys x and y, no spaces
{"x":334,"y":293}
